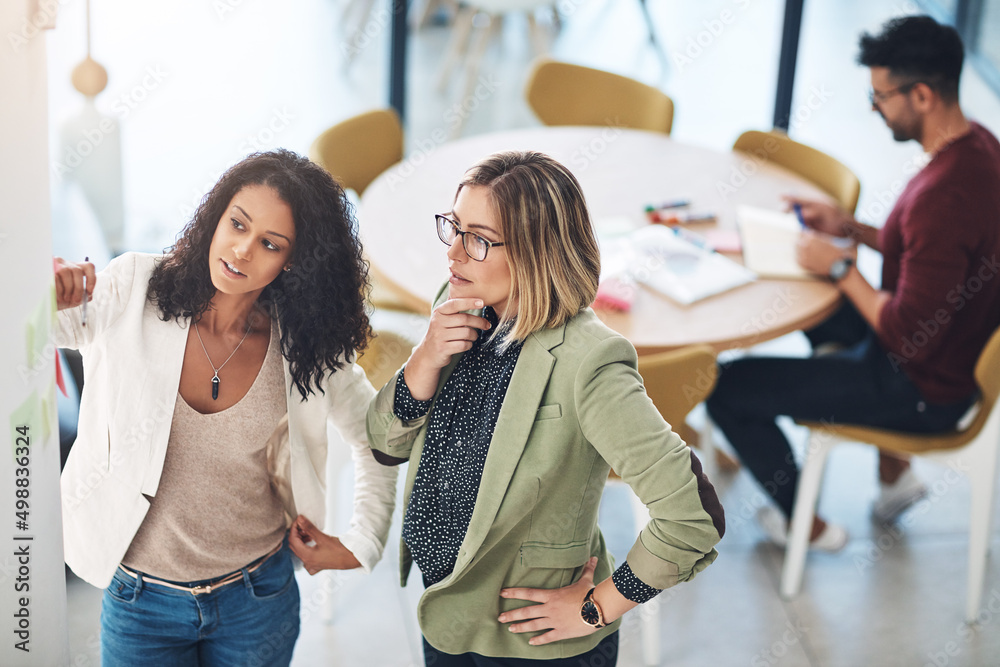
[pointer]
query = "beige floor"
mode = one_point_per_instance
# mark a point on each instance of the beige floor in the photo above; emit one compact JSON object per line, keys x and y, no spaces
{"x":235,"y":75}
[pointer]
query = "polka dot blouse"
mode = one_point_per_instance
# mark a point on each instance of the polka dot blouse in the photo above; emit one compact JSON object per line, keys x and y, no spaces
{"x":451,"y":465}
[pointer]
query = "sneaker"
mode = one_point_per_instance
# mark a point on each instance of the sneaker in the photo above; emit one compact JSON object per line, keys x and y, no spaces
{"x":894,"y":499}
{"x":828,"y":348}
{"x":775,"y":526}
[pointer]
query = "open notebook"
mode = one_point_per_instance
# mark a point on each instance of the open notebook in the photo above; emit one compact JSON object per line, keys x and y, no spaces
{"x":769,"y":239}
{"x":655,"y":256}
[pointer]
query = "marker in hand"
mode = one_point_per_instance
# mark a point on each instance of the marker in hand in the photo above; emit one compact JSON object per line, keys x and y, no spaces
{"x":797,"y":207}
{"x":83,"y":315}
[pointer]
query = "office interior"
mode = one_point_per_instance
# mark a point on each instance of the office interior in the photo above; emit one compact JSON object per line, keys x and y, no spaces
{"x":194,"y":86}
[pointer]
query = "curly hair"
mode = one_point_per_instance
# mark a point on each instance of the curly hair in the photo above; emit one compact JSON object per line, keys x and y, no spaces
{"x":320,"y":302}
{"x":917,"y":48}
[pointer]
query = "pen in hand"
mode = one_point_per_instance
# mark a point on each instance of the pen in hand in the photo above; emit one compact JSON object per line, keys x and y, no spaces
{"x":797,"y":207}
{"x":83,"y":315}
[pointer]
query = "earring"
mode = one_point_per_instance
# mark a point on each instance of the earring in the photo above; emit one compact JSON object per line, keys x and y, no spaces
{"x":288,"y":268}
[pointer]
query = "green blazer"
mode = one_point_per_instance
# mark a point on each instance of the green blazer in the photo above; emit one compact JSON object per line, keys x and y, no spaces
{"x":574,"y":409}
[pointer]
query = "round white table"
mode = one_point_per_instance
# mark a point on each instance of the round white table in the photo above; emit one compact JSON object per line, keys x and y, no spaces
{"x":621,"y":171}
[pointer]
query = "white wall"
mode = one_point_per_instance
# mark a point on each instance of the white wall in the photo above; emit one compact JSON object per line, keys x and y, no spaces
{"x":27,"y":389}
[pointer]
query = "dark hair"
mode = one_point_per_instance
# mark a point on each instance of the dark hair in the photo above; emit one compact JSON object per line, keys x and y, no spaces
{"x":320,"y":302}
{"x":917,"y":48}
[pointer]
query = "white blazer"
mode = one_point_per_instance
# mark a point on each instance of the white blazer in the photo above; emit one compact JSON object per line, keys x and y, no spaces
{"x":132,"y":367}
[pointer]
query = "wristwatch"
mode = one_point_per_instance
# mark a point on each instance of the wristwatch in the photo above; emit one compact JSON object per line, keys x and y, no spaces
{"x":591,"y":612}
{"x":840,"y":268}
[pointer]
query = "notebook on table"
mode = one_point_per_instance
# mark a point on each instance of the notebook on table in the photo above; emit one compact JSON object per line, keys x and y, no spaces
{"x":769,"y":239}
{"x":658,"y":258}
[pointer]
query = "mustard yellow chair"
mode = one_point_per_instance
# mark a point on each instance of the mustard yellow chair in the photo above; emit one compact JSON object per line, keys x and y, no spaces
{"x":676,"y":382}
{"x":564,"y":94}
{"x":386,"y":353}
{"x":360,"y":148}
{"x":827,"y":173}
{"x":355,"y":151}
{"x":972,"y":450}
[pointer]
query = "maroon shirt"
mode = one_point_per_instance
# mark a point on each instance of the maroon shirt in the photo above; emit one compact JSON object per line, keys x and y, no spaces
{"x":941,"y":248}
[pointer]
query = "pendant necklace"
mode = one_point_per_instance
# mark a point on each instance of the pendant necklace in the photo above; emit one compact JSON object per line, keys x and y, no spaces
{"x":215,"y":378}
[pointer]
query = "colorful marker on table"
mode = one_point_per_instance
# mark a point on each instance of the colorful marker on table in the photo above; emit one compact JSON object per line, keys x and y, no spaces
{"x":678,"y":218}
{"x":675,"y":203}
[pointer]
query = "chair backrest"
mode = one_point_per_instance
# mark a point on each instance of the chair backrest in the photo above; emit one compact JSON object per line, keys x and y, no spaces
{"x":825,"y":171}
{"x":563,"y":94}
{"x":386,"y":353}
{"x":358,"y":149}
{"x":988,"y":378}
{"x":677,"y":381}
{"x":987,"y":373}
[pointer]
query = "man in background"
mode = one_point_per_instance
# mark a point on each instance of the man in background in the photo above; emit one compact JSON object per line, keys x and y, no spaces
{"x":905,"y":352}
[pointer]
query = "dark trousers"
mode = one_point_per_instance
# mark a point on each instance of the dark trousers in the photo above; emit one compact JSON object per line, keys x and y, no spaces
{"x":605,"y":654}
{"x":857,"y":385}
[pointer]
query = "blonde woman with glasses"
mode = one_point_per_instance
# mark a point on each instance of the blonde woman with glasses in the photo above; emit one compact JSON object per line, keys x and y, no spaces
{"x":512,"y":410}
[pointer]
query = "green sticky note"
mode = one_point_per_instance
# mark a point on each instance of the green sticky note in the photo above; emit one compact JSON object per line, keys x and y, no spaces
{"x":31,"y":414}
{"x":37,"y":331}
{"x":49,"y":414}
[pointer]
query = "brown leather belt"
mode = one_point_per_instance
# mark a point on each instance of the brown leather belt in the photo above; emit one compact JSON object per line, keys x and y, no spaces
{"x":210,"y":586}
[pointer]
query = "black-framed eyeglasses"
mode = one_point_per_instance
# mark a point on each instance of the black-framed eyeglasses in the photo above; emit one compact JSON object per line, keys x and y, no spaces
{"x":476,"y":247}
{"x":877,"y":98}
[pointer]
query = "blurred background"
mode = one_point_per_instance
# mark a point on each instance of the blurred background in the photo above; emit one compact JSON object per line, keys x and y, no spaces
{"x":195,"y":85}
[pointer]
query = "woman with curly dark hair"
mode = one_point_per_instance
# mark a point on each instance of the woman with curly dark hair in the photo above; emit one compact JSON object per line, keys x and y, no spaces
{"x":211,"y":373}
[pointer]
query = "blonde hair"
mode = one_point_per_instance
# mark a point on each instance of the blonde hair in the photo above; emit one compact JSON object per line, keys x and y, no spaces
{"x":553,"y":255}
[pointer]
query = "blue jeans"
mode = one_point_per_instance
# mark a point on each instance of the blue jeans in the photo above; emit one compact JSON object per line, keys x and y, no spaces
{"x":857,"y":385}
{"x":252,"y":622}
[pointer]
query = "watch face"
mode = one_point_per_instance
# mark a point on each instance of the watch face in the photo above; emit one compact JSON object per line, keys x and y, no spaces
{"x":840,"y":269}
{"x":589,"y":613}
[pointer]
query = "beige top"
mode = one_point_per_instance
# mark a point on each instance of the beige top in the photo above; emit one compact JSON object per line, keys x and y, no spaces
{"x":215,"y":509}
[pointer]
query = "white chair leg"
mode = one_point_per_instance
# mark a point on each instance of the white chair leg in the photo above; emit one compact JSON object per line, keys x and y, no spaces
{"x":537,"y":35}
{"x":810,"y":481}
{"x":650,"y":636}
{"x":649,"y":616}
{"x":982,"y":460}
